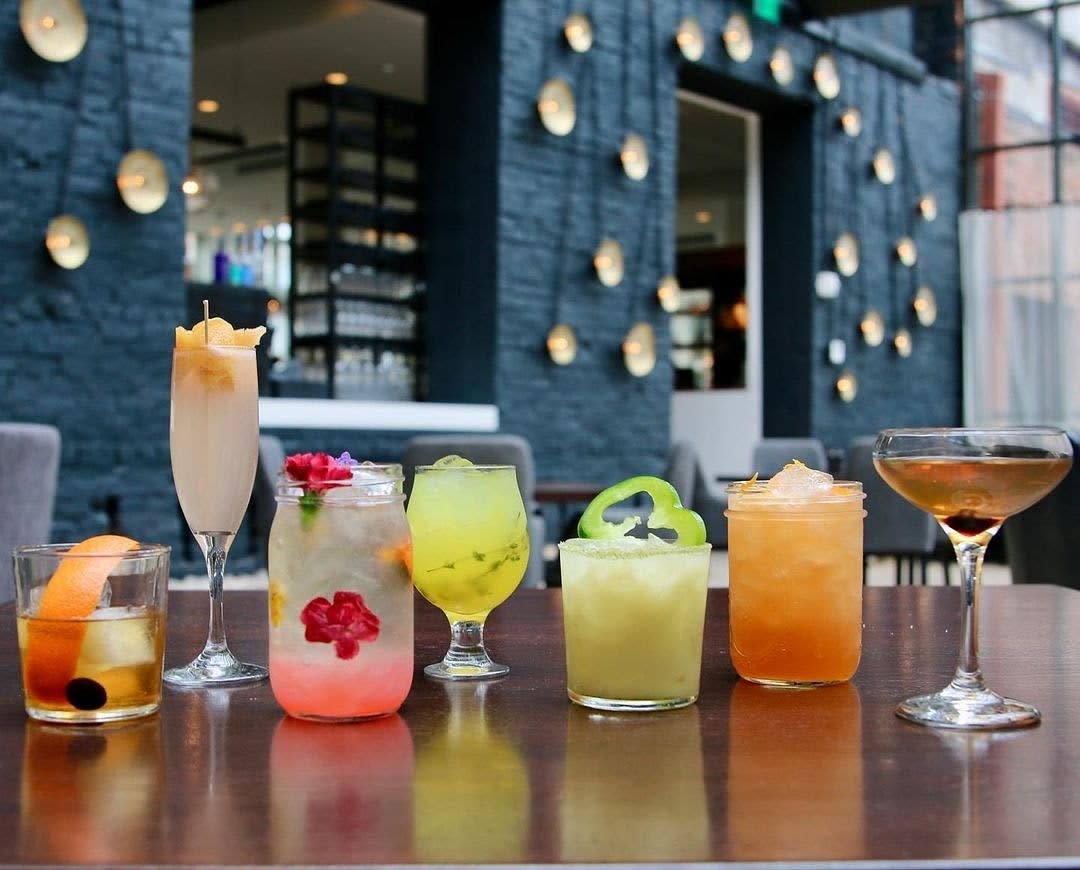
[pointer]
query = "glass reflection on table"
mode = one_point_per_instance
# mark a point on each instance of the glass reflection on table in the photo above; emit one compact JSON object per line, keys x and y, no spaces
{"x":471,"y":790}
{"x":92,"y":795}
{"x":633,"y":788}
{"x":795,"y":772}
{"x":330,"y":782}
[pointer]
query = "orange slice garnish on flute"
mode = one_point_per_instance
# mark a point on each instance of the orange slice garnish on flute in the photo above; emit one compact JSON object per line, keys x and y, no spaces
{"x":55,"y":635}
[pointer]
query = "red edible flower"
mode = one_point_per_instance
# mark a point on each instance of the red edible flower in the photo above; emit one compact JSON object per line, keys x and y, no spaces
{"x":345,"y":623}
{"x":317,"y":472}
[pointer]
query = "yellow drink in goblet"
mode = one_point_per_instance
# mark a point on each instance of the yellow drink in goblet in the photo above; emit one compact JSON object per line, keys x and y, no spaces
{"x":470,"y":550}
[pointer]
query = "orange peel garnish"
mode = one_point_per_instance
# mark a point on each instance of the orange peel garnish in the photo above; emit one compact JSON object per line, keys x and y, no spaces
{"x":55,"y":637}
{"x":218,"y":331}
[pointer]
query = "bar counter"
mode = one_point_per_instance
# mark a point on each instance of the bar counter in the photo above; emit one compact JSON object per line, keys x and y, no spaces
{"x":511,"y":773}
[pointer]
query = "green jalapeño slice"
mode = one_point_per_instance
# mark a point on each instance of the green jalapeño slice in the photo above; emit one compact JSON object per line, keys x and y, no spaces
{"x":667,"y":512}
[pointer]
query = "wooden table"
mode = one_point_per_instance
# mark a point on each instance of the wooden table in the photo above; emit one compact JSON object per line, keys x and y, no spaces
{"x":510,"y":772}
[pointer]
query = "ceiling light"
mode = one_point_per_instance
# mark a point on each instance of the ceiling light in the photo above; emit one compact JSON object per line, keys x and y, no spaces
{"x":336,"y":78}
{"x":208,"y":107}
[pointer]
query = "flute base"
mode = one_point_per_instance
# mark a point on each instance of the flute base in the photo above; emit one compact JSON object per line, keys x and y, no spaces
{"x":215,"y":669}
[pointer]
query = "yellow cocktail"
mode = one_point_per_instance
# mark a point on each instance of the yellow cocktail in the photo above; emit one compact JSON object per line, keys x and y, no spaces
{"x":634,"y":614}
{"x":470,"y":549}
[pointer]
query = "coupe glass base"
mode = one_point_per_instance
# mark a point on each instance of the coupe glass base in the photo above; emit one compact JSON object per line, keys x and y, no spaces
{"x":219,"y":670}
{"x":980,"y":710}
{"x":629,"y":706}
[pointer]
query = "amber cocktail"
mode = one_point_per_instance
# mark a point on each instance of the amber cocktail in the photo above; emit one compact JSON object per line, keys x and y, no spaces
{"x":795,"y":564}
{"x":971,"y":480}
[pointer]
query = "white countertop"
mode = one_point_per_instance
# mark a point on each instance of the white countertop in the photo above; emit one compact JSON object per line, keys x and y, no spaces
{"x":400,"y":416}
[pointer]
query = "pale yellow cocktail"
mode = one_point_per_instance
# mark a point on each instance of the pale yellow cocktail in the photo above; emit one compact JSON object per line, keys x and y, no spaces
{"x":634,"y":614}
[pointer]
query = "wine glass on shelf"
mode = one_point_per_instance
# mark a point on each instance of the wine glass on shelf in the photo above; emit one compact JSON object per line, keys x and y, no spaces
{"x":971,"y":481}
{"x":214,"y":444}
{"x":470,"y":550}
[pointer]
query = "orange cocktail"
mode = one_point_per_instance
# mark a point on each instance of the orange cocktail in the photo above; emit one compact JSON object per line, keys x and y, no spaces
{"x":795,"y":562}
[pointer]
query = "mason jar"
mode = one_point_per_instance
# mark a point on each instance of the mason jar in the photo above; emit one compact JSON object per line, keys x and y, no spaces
{"x":341,"y":599}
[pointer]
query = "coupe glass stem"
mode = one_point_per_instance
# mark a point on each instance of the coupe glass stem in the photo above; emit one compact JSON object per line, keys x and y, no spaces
{"x":968,"y":677}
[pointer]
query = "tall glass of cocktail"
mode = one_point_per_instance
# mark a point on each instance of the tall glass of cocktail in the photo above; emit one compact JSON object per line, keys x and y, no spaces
{"x":971,"y":480}
{"x":634,"y":608}
{"x":470,"y":550}
{"x":341,"y":599}
{"x":214,"y":442}
{"x":795,"y":567}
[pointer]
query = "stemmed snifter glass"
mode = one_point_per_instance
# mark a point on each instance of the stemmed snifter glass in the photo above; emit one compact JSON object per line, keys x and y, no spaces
{"x":470,"y":540}
{"x":971,"y":480}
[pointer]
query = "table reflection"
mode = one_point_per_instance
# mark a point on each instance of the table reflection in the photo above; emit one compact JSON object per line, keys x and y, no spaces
{"x":633,"y":788}
{"x":341,"y":782}
{"x":795,"y":772}
{"x":471,"y":799}
{"x":92,"y":795}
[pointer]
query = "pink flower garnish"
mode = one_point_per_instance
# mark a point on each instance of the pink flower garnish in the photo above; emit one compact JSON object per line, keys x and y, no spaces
{"x":317,"y":472}
{"x":345,"y":623}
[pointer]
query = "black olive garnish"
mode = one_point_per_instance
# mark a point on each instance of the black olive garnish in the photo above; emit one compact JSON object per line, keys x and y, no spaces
{"x":86,"y":694}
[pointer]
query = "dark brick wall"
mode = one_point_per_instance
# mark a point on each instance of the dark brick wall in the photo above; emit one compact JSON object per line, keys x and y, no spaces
{"x":518,"y":218}
{"x":89,"y":350}
{"x":592,"y":418}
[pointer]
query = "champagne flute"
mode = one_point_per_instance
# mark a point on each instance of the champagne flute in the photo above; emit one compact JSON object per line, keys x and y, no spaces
{"x":470,"y":550}
{"x":971,"y":480}
{"x":214,"y":444}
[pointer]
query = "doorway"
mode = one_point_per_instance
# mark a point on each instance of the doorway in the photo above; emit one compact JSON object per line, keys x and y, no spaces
{"x":716,"y":333}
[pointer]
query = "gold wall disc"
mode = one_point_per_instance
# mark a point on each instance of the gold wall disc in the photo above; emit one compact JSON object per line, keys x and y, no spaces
{"x":906,"y":251}
{"x":143,"y":181}
{"x":639,"y":350}
{"x":669,"y":293}
{"x":884,"y":166}
{"x":851,"y":121}
{"x":925,"y":305}
{"x":928,"y":206}
{"x":555,"y":105}
{"x":782,"y":66}
{"x":872,"y":327}
{"x":562,"y":344}
{"x":826,"y":77}
{"x":67,"y":241}
{"x":738,"y":40}
{"x":609,"y":263}
{"x":847,"y":386}
{"x":846,"y":254}
{"x":902,"y":342}
{"x":634,"y":156}
{"x":578,"y":32}
{"x":690,"y":39}
{"x":54,"y":29}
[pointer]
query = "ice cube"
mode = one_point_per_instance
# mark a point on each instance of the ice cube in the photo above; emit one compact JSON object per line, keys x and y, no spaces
{"x":796,"y":480}
{"x":120,"y":640}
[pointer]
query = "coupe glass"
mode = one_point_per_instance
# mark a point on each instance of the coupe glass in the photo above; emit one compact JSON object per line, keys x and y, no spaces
{"x":470,"y":549}
{"x":214,"y":443}
{"x":971,"y":480}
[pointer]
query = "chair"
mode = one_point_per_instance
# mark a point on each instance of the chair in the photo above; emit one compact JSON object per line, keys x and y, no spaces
{"x":893,"y":526}
{"x":29,"y":471}
{"x":683,"y":463}
{"x":498,"y":449}
{"x":1038,"y":541}
{"x":263,"y":493}
{"x":772,"y":454}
